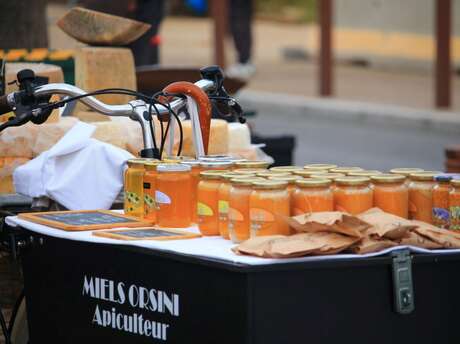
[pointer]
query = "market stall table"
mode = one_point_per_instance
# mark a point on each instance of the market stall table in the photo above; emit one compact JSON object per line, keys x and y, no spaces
{"x":82,"y":287}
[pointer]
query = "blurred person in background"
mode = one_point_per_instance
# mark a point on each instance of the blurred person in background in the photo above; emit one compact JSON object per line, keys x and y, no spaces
{"x":146,"y":48}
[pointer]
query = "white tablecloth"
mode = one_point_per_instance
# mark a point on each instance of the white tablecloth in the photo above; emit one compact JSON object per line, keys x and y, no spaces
{"x":206,"y":247}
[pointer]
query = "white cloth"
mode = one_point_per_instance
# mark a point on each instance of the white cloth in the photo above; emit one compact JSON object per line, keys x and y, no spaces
{"x":78,"y":172}
{"x":213,"y":247}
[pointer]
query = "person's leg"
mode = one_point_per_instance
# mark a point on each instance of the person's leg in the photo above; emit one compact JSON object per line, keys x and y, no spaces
{"x":240,"y":25}
{"x":146,"y":48}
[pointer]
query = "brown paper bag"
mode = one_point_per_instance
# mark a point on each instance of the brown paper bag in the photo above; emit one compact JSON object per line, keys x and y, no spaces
{"x":385,"y":225}
{"x":414,"y":239}
{"x":369,"y":245}
{"x":333,"y":243}
{"x":444,"y":237}
{"x":257,"y":246}
{"x":332,"y":221}
{"x":297,"y":245}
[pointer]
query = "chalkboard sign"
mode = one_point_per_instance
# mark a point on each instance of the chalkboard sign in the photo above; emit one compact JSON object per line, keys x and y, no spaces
{"x":84,"y":220}
{"x":147,"y":234}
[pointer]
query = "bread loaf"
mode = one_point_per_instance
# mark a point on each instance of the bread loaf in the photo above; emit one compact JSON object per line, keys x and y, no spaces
{"x":218,"y":138}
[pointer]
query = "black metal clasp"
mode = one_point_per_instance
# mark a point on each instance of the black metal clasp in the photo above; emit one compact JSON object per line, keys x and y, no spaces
{"x":403,"y":289}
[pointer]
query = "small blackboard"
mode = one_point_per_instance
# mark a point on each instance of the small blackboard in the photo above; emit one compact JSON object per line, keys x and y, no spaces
{"x":84,"y":220}
{"x":147,"y":234}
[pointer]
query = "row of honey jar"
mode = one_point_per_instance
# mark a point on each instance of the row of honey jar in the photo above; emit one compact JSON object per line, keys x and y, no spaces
{"x":251,"y":200}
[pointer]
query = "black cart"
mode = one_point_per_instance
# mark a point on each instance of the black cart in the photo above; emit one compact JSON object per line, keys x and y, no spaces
{"x":80,"y":292}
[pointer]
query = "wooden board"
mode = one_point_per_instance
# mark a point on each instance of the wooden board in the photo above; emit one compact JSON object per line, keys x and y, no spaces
{"x":148,"y":233}
{"x":84,"y":220}
{"x":97,"y":28}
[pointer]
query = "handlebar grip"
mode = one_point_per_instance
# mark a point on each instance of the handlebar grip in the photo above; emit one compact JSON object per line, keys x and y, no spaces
{"x":4,"y":106}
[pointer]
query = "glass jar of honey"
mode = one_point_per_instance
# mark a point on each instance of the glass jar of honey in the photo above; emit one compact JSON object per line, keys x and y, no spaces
{"x":421,"y":196}
{"x":195,"y":166}
{"x":312,"y":195}
{"x":150,"y":205}
{"x":173,"y":195}
{"x":291,"y":187}
{"x":134,"y":188}
{"x":440,"y":214}
{"x":288,"y":169}
{"x":391,"y":194}
{"x":222,"y":204}
{"x":454,"y":204}
{"x":269,"y":208}
{"x":346,"y":170}
{"x":238,"y":211}
{"x":252,"y":164}
{"x":208,"y":197}
{"x":353,"y":195}
{"x":320,"y":167}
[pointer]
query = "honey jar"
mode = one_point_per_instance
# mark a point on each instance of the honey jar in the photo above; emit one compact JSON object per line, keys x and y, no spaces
{"x":406,"y":172}
{"x":173,"y":195}
{"x":291,"y":187}
{"x":238,"y":212}
{"x":312,"y":195}
{"x":252,"y":164}
{"x":150,"y":206}
{"x":391,"y":194}
{"x":269,"y":208}
{"x":208,"y":197}
{"x":134,"y":188}
{"x":421,"y":196}
{"x":320,"y":167}
{"x":353,"y":195}
{"x":440,"y":213}
{"x":195,"y":166}
{"x":329,"y":175}
{"x":454,"y":204}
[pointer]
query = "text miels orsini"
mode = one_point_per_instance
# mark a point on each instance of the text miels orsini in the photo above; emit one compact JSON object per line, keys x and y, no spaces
{"x":138,"y":297}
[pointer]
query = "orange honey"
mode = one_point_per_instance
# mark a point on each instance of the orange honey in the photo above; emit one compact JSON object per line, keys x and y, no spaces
{"x":353,"y":195}
{"x":454,"y":205}
{"x":173,"y":195}
{"x":391,"y":194}
{"x":421,"y":196}
{"x":269,"y":208}
{"x":150,"y":205}
{"x":207,"y":206}
{"x":195,"y":166}
{"x":313,"y":195}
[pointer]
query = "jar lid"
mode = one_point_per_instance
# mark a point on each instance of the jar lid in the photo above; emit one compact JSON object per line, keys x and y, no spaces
{"x":405,"y":171}
{"x":290,"y":169}
{"x":162,"y":168}
{"x":250,"y":170}
{"x":326,"y":167}
{"x":446,"y":177}
{"x":191,"y":162}
{"x":252,"y":164}
{"x":270,"y":184}
{"x":137,"y":162}
{"x":177,"y":158}
{"x":387,"y":178}
{"x":455,"y":182}
{"x":152,"y":165}
{"x":267,"y":174}
{"x":230,"y":175}
{"x":331,"y":176}
{"x":213,"y":174}
{"x":424,"y":176}
{"x":213,"y":158}
{"x":214,"y":164}
{"x":245,"y":181}
{"x":289,"y":179}
{"x":313,"y":183}
{"x":308,"y":173}
{"x":346,"y":169}
{"x":352,"y":181}
{"x":365,"y":173}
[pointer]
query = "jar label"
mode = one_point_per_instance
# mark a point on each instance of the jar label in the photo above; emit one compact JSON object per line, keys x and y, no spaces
{"x":260,"y":218}
{"x":149,"y":202}
{"x":235,"y":215}
{"x":162,"y":198}
{"x":441,"y":214}
{"x":223,"y":207}
{"x":455,"y":217}
{"x":204,"y":210}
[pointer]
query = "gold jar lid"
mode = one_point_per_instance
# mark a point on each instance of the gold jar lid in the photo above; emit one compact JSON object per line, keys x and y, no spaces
{"x":406,"y":171}
{"x":267,"y":174}
{"x":136,"y":162}
{"x":326,"y":167}
{"x":252,"y":164}
{"x":365,"y":173}
{"x":213,"y":158}
{"x":424,"y":176}
{"x":352,"y":181}
{"x":250,"y":170}
{"x":388,"y":178}
{"x":245,"y":181}
{"x":270,"y":184}
{"x":191,"y":162}
{"x":289,"y":179}
{"x":289,"y":169}
{"x":313,"y":183}
{"x":455,"y":182}
{"x":152,"y":165}
{"x":230,"y":175}
{"x":346,"y":169}
{"x":165,"y":168}
{"x":330,"y":176}
{"x":213,"y":174}
{"x":215,"y":164}
{"x":308,"y":173}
